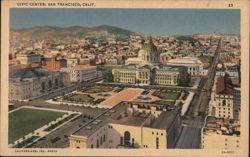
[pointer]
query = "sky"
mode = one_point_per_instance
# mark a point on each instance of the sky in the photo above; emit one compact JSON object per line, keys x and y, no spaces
{"x":149,"y":21}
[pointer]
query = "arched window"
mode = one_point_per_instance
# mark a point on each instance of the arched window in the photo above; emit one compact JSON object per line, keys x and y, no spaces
{"x":126,"y":138}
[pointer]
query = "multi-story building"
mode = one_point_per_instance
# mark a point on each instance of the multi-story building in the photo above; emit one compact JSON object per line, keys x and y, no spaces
{"x":28,"y":59}
{"x":150,"y":70}
{"x":223,"y":98}
{"x":236,"y":102}
{"x":54,"y":64}
{"x":131,"y":125}
{"x":146,"y":75}
{"x":28,"y":83}
{"x":193,"y":64}
{"x":219,"y":133}
{"x":82,"y":73}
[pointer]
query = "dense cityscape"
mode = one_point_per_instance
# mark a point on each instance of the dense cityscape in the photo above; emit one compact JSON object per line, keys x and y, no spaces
{"x":107,"y":87}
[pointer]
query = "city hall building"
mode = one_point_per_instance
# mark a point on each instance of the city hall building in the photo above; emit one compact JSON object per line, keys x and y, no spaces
{"x":131,"y":125}
{"x":27,"y":83}
{"x":149,"y":70}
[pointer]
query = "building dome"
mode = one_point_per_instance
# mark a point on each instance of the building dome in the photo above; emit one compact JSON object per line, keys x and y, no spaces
{"x":150,"y":47}
{"x":149,"y":52}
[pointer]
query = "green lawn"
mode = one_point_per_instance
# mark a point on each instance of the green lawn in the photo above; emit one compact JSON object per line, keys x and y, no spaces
{"x":26,"y":120}
{"x":97,"y":89}
{"x":79,"y":98}
{"x":164,"y":94}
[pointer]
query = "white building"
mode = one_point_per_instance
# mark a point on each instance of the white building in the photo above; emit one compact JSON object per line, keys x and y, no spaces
{"x":193,"y":64}
{"x":28,"y":59}
{"x":147,"y":69}
{"x":82,"y":73}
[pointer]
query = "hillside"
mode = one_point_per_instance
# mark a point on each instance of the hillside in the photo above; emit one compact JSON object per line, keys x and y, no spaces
{"x":50,"y":32}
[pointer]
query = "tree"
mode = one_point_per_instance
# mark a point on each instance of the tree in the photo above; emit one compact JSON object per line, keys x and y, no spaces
{"x":136,"y":145}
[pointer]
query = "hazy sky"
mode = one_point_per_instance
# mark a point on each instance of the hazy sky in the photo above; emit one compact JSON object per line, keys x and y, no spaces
{"x":152,"y":21}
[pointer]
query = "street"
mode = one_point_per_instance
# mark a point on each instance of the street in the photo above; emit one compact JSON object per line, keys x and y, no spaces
{"x":193,"y":121}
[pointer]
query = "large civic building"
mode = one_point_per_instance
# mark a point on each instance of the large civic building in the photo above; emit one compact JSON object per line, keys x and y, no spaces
{"x":193,"y":64}
{"x":131,"y":125}
{"x":28,"y":83}
{"x":149,"y":70}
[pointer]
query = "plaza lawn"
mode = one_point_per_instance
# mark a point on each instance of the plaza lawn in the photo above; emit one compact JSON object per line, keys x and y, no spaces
{"x":165,"y":94}
{"x":79,"y":98}
{"x":26,"y":120}
{"x":96,"y":89}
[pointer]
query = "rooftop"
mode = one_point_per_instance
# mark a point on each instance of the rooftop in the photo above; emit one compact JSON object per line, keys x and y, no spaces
{"x":136,"y":119}
{"x":117,"y":115}
{"x":185,"y":60}
{"x":101,"y":120}
{"x":165,"y":120}
{"x":29,"y":73}
{"x":224,"y":85}
{"x":222,"y":126}
{"x":83,"y":67}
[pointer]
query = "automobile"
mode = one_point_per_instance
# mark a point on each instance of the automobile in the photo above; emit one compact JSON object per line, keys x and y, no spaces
{"x":53,"y":140}
{"x":203,"y":90}
{"x":65,"y":136}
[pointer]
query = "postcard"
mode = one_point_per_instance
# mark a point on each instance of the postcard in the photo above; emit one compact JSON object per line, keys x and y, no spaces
{"x":124,"y":78}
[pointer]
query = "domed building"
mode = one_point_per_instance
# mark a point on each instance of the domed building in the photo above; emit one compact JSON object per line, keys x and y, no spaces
{"x":148,"y":70}
{"x":149,"y":53}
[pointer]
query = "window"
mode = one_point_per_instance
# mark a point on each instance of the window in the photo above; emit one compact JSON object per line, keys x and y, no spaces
{"x":224,"y":102}
{"x":101,"y":140}
{"x":92,"y":146}
{"x":127,"y":138}
{"x":152,"y":133}
{"x":161,"y":134}
{"x":104,"y":138}
{"x":97,"y":144}
{"x":157,"y":142}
